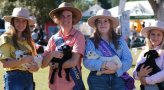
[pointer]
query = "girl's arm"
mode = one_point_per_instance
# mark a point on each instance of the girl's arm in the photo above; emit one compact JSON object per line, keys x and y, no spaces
{"x":10,"y":62}
{"x":125,"y":57}
{"x":91,"y":64}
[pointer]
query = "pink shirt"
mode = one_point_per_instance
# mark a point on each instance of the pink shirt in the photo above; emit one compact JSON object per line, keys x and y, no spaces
{"x":156,"y":78}
{"x":75,"y":39}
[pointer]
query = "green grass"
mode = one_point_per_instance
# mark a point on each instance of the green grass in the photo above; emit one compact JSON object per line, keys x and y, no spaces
{"x":41,"y":77}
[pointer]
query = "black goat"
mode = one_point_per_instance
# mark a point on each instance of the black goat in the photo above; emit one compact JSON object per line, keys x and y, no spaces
{"x":151,"y":55}
{"x":67,"y":51}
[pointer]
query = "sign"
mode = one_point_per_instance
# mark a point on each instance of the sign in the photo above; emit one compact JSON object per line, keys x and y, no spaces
{"x":121,"y":6}
{"x":124,"y":22}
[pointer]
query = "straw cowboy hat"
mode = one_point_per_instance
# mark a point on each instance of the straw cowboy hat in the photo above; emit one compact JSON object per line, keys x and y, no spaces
{"x":103,"y":14}
{"x":19,"y":12}
{"x":159,"y":25}
{"x":66,"y":6}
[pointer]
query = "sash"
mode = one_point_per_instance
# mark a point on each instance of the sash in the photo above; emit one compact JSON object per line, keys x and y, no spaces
{"x":74,"y":72}
{"x":107,"y":51}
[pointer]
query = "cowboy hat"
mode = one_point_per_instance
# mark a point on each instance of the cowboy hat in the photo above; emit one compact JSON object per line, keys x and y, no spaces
{"x":66,"y":6}
{"x":159,"y":25}
{"x":19,"y":12}
{"x":103,"y":14}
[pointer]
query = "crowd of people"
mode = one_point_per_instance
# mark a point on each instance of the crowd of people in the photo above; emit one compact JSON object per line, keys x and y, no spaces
{"x":105,"y":54}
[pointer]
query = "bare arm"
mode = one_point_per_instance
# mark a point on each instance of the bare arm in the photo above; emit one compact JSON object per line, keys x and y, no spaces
{"x":13,"y":63}
{"x":46,"y":60}
{"x":49,"y":56}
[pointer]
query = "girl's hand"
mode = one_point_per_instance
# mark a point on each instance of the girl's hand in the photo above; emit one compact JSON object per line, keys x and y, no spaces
{"x":57,"y":54}
{"x":28,"y":59}
{"x":144,"y":71}
{"x":106,"y":68}
{"x":33,"y":67}
{"x":143,"y":81}
{"x":111,"y":65}
{"x":108,"y":71}
{"x":53,"y":65}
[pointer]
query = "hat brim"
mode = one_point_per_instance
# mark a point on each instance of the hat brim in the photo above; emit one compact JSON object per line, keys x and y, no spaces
{"x":8,"y":19}
{"x":145,"y":30}
{"x":75,"y":11}
{"x":91,"y":20}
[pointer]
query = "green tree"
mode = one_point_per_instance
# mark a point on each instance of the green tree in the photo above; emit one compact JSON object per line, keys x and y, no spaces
{"x":38,"y":8}
{"x":82,"y":5}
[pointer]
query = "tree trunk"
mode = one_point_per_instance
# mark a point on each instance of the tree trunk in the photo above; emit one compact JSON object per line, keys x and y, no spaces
{"x":160,"y":13}
{"x":158,"y":8}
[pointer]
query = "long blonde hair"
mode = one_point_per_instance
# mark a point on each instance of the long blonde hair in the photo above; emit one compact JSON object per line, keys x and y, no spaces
{"x":26,"y":33}
{"x":149,"y":44}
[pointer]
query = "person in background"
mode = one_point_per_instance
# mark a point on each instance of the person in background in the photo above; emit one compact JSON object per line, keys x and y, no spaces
{"x":143,"y":24}
{"x":106,"y":43}
{"x":65,"y":16}
{"x":18,"y":37}
{"x":154,"y":35}
{"x":35,"y":35}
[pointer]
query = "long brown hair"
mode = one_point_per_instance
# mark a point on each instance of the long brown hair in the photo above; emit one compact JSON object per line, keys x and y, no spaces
{"x":113,"y":37}
{"x":26,"y":33}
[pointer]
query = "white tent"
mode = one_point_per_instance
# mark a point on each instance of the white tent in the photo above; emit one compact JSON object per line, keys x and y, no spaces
{"x":137,"y":8}
{"x":92,"y":10}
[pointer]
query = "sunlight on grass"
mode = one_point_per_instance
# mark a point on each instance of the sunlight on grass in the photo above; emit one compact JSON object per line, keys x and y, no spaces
{"x":41,"y":77}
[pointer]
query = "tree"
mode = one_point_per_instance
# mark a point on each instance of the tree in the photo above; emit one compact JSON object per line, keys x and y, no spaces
{"x":106,"y":4}
{"x":38,"y":8}
{"x":82,"y":5}
{"x":158,"y":8}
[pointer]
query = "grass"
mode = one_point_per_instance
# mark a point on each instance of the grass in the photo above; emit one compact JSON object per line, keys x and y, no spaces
{"x":41,"y":77}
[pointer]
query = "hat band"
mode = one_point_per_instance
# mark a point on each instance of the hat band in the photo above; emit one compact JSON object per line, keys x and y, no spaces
{"x":20,"y":15}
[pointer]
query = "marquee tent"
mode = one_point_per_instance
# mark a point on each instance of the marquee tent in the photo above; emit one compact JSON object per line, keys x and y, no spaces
{"x":138,"y":10}
{"x":91,"y":11}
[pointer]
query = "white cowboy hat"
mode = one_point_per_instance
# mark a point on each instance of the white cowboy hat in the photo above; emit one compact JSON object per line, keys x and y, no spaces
{"x":66,"y":6}
{"x":103,"y":14}
{"x":19,"y":12}
{"x":159,"y":25}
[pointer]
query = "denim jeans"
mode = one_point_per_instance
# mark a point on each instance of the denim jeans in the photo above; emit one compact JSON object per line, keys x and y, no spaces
{"x":105,"y":82}
{"x":18,"y":80}
{"x":151,"y":87}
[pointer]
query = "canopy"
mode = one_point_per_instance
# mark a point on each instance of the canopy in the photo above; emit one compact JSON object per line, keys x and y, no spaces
{"x":138,"y":10}
{"x":91,"y":11}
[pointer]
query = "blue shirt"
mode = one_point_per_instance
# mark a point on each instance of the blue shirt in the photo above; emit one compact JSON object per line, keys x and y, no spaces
{"x":122,"y":52}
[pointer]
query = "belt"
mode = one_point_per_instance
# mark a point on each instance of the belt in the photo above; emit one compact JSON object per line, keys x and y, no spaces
{"x":18,"y":71}
{"x":94,"y":72}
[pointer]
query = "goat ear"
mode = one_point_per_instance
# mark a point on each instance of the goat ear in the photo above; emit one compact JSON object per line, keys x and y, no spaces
{"x":145,"y":54}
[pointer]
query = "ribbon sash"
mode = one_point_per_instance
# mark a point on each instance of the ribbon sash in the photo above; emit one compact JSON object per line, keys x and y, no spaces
{"x":107,"y":51}
{"x":74,"y":71}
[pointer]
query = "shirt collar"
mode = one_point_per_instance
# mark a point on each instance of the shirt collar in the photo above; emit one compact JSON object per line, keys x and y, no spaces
{"x":73,"y":31}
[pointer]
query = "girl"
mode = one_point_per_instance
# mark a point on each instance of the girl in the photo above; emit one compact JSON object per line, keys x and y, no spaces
{"x":18,"y":37}
{"x":154,"y":40}
{"x":106,"y":43}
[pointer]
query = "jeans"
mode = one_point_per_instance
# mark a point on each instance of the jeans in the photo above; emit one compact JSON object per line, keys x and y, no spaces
{"x":151,"y":87}
{"x":105,"y":82}
{"x":18,"y":80}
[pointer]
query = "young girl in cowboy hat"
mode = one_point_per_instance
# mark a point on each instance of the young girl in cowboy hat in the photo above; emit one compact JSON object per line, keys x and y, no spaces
{"x":154,"y":35}
{"x":18,"y":37}
{"x":65,"y":16}
{"x":106,"y":43}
